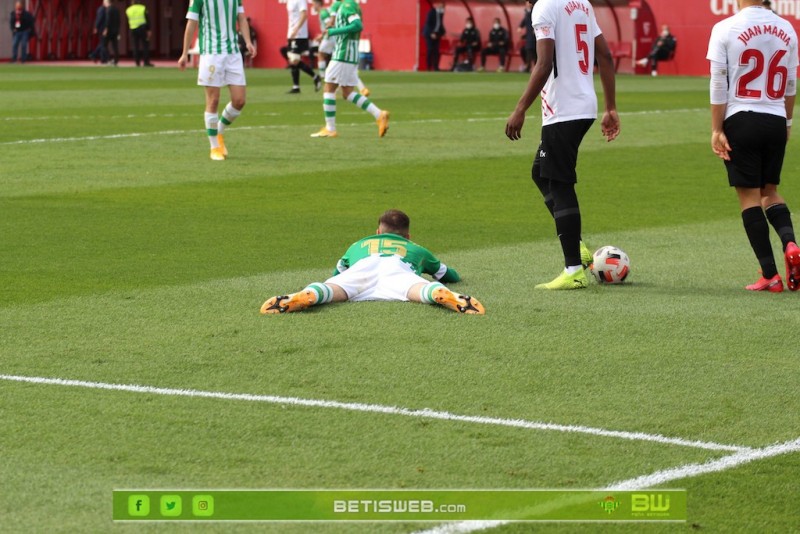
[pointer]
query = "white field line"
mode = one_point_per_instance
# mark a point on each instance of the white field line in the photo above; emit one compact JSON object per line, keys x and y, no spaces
{"x":284,"y":126}
{"x":424,"y":413}
{"x":648,"y":481}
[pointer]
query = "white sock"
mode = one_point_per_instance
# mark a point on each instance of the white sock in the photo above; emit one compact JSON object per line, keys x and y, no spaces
{"x":323,"y":292}
{"x":364,"y":103}
{"x":329,"y":107}
{"x":572,"y":269}
{"x":426,"y":293}
{"x":212,"y":124}
{"x":229,"y":115}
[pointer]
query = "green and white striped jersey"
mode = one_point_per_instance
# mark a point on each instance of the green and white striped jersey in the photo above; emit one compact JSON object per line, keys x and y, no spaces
{"x":217,"y":22}
{"x":346,"y":31}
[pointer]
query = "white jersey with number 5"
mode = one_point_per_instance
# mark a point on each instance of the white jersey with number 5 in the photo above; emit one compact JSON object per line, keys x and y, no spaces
{"x":569,"y":92}
{"x":760,"y":51}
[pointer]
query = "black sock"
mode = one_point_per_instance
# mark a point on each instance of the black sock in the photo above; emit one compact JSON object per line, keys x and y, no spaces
{"x":780,"y":218}
{"x":757,"y":229}
{"x":568,"y":226}
{"x":305,"y":68}
{"x":567,"y":215}
{"x":295,"y":76}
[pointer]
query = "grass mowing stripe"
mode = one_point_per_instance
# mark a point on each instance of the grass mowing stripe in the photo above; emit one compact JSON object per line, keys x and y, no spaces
{"x":282,"y":126}
{"x":376,"y":408}
{"x":648,"y":481}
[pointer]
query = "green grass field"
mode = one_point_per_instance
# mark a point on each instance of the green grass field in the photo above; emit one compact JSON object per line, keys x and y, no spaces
{"x":128,"y":257}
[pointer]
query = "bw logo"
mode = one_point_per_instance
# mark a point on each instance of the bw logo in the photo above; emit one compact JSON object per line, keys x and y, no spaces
{"x":650,"y":502}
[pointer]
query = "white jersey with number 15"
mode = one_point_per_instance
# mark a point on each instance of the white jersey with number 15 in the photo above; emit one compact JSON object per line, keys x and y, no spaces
{"x":760,"y":50}
{"x":569,"y":92}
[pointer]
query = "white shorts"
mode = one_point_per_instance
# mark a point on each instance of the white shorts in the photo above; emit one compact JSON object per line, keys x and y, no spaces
{"x":377,"y":278}
{"x":219,"y":70}
{"x":327,"y":46}
{"x":342,"y":74}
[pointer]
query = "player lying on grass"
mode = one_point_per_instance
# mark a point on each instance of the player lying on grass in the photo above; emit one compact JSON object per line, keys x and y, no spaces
{"x":384,"y":266}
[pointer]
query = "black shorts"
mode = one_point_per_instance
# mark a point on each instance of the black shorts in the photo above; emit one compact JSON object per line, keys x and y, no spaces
{"x":298,"y":46}
{"x":758,"y":144}
{"x":557,"y":155}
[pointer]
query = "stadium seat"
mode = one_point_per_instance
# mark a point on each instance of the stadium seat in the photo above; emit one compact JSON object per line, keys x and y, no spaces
{"x":620,"y":50}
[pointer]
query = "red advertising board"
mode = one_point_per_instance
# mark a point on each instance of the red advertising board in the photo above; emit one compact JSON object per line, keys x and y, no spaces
{"x":393,"y":27}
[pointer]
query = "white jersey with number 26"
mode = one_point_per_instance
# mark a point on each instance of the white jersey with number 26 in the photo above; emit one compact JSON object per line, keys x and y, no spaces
{"x":569,"y":92}
{"x":760,"y":50}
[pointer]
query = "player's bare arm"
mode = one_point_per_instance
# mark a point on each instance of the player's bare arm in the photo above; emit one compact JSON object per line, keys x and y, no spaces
{"x":244,"y":26}
{"x":609,"y":124}
{"x":789,"y":102}
{"x":188,"y":35}
{"x":539,"y":75}
{"x":719,"y":141}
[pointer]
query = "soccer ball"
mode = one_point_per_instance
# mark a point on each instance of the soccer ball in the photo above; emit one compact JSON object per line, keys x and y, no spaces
{"x":611,"y":265}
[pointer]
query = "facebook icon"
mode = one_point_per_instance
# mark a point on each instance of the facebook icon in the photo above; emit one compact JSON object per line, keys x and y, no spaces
{"x":138,"y":505}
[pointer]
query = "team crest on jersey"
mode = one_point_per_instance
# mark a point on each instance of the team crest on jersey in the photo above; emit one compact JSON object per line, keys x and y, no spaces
{"x":544,"y":30}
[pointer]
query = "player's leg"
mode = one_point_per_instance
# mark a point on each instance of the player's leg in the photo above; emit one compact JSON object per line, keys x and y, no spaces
{"x":547,"y":196}
{"x":557,"y":159}
{"x":362,"y":88}
{"x":748,"y":135}
{"x":293,"y":57}
{"x":313,"y":294}
{"x":778,"y":214}
{"x":381,"y":116}
{"x":303,"y":66}
{"x":774,"y":205}
{"x":234,"y":77}
{"x":231,"y":112}
{"x":438,"y":293}
{"x":301,"y":47}
{"x":757,"y":229}
{"x":211,"y":119}
{"x":567,"y":216}
{"x":780,"y":218}
{"x":329,"y":108}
